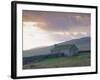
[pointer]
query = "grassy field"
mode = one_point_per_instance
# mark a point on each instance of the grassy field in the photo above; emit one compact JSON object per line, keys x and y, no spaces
{"x":82,"y":59}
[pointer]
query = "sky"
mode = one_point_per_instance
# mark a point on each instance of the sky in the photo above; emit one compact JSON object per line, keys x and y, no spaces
{"x":44,"y":28}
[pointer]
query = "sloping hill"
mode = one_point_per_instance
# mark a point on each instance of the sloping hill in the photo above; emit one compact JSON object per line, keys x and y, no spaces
{"x":83,"y":44}
{"x":37,"y":51}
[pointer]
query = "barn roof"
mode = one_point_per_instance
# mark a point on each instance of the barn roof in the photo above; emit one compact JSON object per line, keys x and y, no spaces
{"x":62,"y":47}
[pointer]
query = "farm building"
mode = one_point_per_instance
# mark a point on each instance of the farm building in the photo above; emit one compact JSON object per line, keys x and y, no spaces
{"x":64,"y":50}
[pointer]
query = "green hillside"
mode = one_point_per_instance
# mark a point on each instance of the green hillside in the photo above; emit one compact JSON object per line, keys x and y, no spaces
{"x":82,"y":59}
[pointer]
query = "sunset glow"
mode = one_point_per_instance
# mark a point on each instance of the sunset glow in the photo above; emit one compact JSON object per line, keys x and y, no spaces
{"x":34,"y":36}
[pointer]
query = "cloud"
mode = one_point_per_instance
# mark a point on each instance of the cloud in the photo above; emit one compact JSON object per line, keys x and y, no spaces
{"x":41,"y":28}
{"x":58,"y":21}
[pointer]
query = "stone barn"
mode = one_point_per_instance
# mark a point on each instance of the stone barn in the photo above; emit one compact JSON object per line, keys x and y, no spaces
{"x":64,"y":50}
